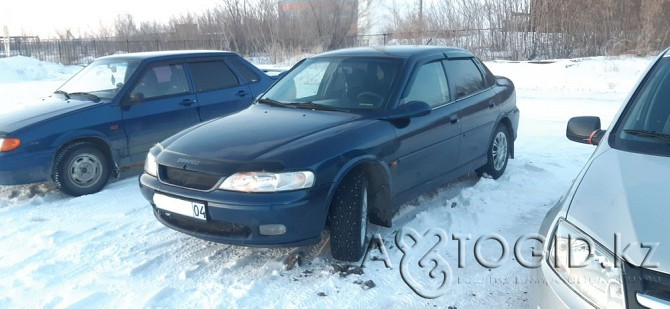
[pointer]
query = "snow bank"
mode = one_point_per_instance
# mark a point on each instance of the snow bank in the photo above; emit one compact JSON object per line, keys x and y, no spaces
{"x":21,"y":69}
{"x":614,"y":75}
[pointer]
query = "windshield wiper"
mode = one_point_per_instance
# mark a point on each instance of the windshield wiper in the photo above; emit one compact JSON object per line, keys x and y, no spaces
{"x":88,"y":95}
{"x":312,"y":105}
{"x":67,"y":96}
{"x":271,"y":102}
{"x":652,"y":134}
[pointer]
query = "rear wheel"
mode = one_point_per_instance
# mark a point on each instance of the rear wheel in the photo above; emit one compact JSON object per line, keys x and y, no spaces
{"x":498,"y":153}
{"x":81,"y":169}
{"x":349,"y":218}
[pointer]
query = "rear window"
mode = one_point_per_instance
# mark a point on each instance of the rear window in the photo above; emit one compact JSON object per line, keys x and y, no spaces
{"x":212,"y":75}
{"x":644,"y":126}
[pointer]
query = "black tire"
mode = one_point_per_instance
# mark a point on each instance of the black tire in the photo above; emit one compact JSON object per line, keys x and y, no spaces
{"x":348,"y":218}
{"x":496,"y":165}
{"x":80,"y":169}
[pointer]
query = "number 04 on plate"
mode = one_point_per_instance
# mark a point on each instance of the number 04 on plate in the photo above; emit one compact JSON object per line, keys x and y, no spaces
{"x":191,"y":209}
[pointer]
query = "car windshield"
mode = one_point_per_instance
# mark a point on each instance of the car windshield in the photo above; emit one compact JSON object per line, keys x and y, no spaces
{"x":645,"y":124}
{"x":349,"y":84}
{"x":101,"y":79}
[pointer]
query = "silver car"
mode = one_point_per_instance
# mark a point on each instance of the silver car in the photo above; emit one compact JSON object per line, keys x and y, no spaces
{"x":607,"y":239}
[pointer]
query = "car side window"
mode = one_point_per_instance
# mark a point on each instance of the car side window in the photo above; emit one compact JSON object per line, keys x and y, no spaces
{"x":161,"y":81}
{"x":466,"y":77}
{"x":488,"y":76}
{"x":429,"y":85}
{"x":248,"y":75}
{"x":212,"y":75}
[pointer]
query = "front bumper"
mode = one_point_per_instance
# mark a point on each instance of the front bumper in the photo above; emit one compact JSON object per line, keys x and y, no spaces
{"x":235,"y":217}
{"x":25,"y":168}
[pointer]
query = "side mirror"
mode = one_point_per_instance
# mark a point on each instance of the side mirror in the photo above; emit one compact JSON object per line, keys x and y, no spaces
{"x":410,"y":110}
{"x":585,"y":130}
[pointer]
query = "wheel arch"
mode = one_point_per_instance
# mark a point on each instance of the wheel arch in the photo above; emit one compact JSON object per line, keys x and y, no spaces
{"x":98,"y":141}
{"x":507,"y":123}
{"x":378,"y":175}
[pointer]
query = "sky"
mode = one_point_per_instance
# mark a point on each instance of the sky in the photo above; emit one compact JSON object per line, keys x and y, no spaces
{"x":46,"y":17}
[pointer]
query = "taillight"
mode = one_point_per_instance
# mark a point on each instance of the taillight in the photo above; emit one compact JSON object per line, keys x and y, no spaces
{"x":9,"y":144}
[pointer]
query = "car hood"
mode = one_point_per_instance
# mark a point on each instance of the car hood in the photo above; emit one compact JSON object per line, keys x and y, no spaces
{"x":626,"y":193}
{"x":253,"y":132}
{"x":14,"y":117}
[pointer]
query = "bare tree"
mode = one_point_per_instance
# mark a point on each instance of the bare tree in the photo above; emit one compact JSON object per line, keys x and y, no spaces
{"x":124,"y":26}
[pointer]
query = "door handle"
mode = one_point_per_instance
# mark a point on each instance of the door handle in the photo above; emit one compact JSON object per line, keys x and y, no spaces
{"x":492,"y":104}
{"x":187,"y":102}
{"x":453,"y":118}
{"x":241,"y":93}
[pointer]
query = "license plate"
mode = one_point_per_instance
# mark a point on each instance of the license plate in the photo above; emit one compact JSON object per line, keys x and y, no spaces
{"x":191,"y":209}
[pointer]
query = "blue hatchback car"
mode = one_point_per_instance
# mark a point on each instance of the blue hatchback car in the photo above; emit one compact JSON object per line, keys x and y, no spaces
{"x":343,"y":138}
{"x":108,"y":115}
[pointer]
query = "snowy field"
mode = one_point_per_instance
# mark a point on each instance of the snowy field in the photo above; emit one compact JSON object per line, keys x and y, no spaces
{"x":107,"y":250}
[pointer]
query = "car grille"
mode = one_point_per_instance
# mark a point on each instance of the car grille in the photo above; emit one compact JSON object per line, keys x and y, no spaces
{"x":187,"y":179}
{"x":647,"y":282}
{"x":226,"y":229}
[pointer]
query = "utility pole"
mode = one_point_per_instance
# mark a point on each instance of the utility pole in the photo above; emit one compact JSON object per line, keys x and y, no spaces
{"x":421,"y":20}
{"x":5,"y":30}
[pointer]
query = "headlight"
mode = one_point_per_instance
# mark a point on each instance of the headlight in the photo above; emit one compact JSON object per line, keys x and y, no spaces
{"x":586,"y":266}
{"x":268,"y":182}
{"x":150,"y":166}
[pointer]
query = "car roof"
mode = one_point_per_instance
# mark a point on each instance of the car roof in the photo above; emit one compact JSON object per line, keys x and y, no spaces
{"x":168,"y":54}
{"x":398,"y":51}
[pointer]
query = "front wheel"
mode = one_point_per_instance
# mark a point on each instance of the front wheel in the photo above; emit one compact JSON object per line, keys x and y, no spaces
{"x":498,"y":153}
{"x":81,"y":169}
{"x":349,"y":218}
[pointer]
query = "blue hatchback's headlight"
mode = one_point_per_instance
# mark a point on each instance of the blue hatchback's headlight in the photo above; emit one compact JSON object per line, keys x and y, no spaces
{"x":268,"y":182}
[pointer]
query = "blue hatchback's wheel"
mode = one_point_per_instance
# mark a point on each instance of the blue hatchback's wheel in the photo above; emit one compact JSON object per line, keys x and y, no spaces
{"x":81,"y":169}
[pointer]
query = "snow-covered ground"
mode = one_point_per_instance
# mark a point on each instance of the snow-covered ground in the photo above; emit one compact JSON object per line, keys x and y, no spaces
{"x":107,"y":250}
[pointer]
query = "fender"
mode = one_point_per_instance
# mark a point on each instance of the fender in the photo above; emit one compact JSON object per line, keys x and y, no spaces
{"x":505,"y":118}
{"x":382,"y":211}
{"x":79,"y":134}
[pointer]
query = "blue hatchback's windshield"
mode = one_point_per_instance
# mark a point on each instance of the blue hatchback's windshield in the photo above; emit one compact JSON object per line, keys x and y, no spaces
{"x":645,"y":124}
{"x":355,"y":83}
{"x":102,"y":78}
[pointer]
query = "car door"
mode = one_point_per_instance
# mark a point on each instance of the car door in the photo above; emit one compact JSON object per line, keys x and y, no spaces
{"x":479,"y":110}
{"x":218,"y":88}
{"x":428,"y":145}
{"x":159,"y":105}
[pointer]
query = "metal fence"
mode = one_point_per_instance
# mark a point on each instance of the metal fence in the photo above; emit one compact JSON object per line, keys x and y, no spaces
{"x":84,"y":51}
{"x":485,"y":43}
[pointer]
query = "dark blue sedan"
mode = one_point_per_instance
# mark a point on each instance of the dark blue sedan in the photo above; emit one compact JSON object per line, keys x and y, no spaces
{"x":342,"y":139}
{"x":108,"y":115}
